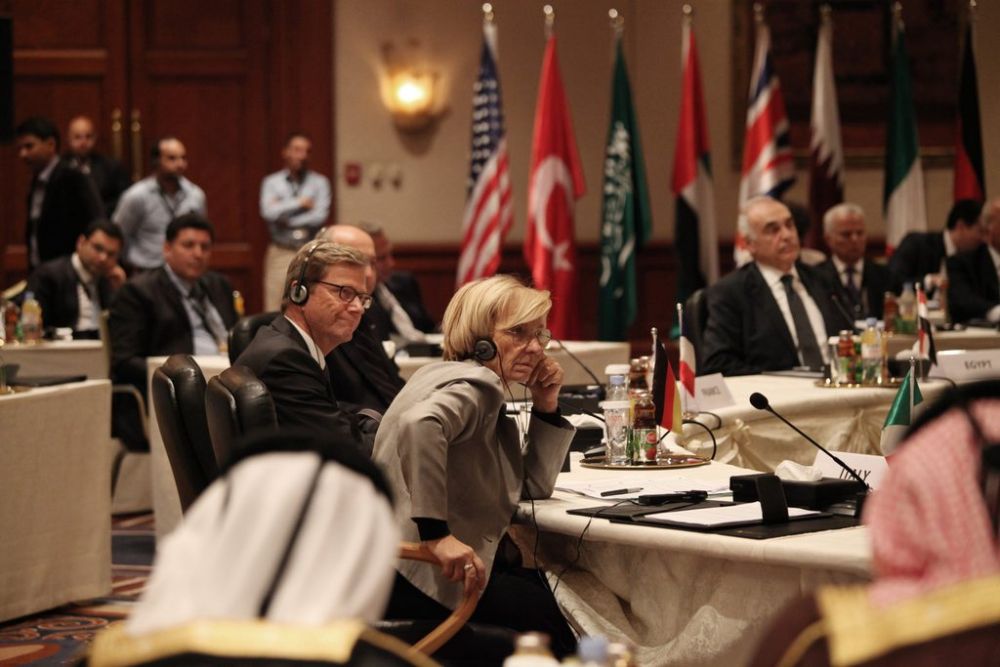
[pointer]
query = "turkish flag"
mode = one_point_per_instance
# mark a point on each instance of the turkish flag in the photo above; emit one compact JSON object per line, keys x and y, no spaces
{"x":556,"y":183}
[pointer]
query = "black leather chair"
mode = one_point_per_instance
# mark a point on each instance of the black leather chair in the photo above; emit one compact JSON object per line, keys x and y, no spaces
{"x":695,"y":321}
{"x":179,"y":401}
{"x":237,"y":403}
{"x":244,"y":330}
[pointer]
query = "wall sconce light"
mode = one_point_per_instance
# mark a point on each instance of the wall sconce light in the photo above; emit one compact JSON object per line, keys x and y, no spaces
{"x":409,"y":92}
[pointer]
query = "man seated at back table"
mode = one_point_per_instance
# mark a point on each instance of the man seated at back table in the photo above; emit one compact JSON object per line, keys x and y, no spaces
{"x":73,"y":290}
{"x":974,"y":288}
{"x":181,"y":307}
{"x":325,"y":294}
{"x":773,"y":313}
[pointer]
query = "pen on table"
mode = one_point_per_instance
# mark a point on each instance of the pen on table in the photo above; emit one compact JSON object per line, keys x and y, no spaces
{"x":619,"y":492}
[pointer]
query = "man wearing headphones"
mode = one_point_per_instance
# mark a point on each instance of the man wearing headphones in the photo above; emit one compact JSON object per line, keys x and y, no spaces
{"x":324,"y":297}
{"x":146,"y":208}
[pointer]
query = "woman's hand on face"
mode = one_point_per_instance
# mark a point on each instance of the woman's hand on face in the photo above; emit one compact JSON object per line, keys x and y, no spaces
{"x":544,"y":383}
{"x":456,"y":558}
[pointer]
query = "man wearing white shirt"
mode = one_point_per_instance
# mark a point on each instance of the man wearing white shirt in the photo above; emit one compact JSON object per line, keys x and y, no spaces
{"x":774,"y":313}
{"x":857,"y":283}
{"x":324,"y":297}
{"x":974,"y":276}
{"x":295,"y":203}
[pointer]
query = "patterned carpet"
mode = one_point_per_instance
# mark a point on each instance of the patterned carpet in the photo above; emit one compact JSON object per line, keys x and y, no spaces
{"x":60,"y":636}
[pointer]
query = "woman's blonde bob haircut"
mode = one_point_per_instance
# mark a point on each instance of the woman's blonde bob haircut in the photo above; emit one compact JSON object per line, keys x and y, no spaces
{"x":481,"y":307}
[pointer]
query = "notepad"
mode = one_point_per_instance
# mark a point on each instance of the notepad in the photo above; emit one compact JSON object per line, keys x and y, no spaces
{"x":744,"y":514}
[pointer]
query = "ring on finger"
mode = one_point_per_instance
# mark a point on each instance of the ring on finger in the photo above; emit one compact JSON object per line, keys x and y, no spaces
{"x":469,"y":566}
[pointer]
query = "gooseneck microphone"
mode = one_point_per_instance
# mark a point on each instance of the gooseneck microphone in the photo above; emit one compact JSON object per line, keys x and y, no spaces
{"x":835,"y":298}
{"x":760,"y":402}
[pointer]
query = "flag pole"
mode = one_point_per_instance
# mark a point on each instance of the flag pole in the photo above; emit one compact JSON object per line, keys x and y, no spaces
{"x":680,"y":337}
{"x":487,"y":13}
{"x":758,"y":13}
{"x":617,"y":28}
{"x":550,"y":20}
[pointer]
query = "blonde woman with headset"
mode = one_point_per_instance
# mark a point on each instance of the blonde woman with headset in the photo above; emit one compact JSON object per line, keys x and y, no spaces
{"x":456,"y":462}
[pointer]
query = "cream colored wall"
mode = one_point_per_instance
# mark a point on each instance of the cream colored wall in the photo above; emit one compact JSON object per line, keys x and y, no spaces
{"x":427,"y":207}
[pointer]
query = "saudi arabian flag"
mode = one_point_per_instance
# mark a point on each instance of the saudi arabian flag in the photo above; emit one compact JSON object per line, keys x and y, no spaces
{"x":900,"y":414}
{"x":626,"y":223}
{"x":903,"y":201}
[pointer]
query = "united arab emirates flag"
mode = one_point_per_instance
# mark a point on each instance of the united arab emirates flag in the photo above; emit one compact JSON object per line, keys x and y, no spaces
{"x":626,"y":223}
{"x":903,"y":200}
{"x":900,"y":414}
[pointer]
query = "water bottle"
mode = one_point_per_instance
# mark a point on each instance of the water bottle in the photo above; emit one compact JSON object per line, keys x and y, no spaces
{"x":871,"y":354}
{"x":31,"y":318}
{"x":616,"y":415}
{"x":592,"y":651}
{"x":906,"y":322}
{"x":531,"y":649}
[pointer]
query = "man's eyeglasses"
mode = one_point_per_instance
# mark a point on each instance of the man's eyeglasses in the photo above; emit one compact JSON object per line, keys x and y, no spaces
{"x":348,"y":294}
{"x":523,"y":336}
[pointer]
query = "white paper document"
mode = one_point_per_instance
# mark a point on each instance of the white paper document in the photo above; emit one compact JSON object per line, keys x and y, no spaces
{"x":729,"y":515}
{"x":631,"y":486}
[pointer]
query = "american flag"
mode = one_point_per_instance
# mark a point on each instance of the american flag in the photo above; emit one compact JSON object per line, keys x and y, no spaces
{"x":489,"y":213}
{"x":768,"y":166}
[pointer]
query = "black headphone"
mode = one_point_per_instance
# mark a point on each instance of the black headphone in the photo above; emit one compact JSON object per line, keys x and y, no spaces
{"x":299,"y":293}
{"x":484,"y":349}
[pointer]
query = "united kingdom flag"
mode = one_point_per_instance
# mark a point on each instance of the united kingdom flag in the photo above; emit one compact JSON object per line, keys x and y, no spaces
{"x":489,"y":213}
{"x":768,"y":166}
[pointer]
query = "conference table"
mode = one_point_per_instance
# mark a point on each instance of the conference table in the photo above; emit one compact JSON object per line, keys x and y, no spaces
{"x":55,"y":500}
{"x":840,"y":419}
{"x":969,"y":338}
{"x":59,"y":357}
{"x":681,"y":597}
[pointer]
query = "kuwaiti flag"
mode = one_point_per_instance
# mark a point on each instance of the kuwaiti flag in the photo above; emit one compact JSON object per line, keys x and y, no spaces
{"x":695,"y":236}
{"x":489,"y":211}
{"x":556,"y":183}
{"x":901,"y":414}
{"x":968,"y":137}
{"x":768,"y":166}
{"x":826,"y":152}
{"x":666,"y":396}
{"x":626,"y":222}
{"x":924,"y":347}
{"x":903,"y":199}
{"x":688,"y":368}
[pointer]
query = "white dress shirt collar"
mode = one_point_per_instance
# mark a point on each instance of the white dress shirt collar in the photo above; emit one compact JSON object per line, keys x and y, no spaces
{"x":314,"y":350}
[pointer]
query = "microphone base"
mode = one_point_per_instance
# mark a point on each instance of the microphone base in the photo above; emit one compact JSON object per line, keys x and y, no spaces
{"x":817,"y":495}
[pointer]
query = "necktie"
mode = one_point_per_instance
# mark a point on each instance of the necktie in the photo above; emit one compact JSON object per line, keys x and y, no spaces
{"x":397,"y":314}
{"x":852,"y":288}
{"x":808,"y":348}
{"x":197,"y":296}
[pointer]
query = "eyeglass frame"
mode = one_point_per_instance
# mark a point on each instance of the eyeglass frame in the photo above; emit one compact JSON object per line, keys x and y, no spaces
{"x":543,"y":335}
{"x":364,"y":298}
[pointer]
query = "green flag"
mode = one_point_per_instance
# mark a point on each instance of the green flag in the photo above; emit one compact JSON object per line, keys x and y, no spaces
{"x":900,"y":413}
{"x":626,"y":224}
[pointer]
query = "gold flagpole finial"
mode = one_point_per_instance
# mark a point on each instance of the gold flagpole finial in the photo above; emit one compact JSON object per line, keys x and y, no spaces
{"x":825,"y":12}
{"x":758,"y":12}
{"x":550,"y":19}
{"x":617,"y":21}
{"x":488,"y":12}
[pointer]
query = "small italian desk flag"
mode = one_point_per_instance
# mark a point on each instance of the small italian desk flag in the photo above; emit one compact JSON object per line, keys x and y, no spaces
{"x":900,"y":414}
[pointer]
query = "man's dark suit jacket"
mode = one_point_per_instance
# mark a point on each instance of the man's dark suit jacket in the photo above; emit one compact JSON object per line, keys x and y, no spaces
{"x":361,"y":373}
{"x":109,"y":178}
{"x":973,"y":286}
{"x":874,"y":285}
{"x":918,"y":254}
{"x":302,"y":394}
{"x":54,"y":284}
{"x":405,"y":288}
{"x":148,"y":319}
{"x":70,"y":205}
{"x":746,"y":332}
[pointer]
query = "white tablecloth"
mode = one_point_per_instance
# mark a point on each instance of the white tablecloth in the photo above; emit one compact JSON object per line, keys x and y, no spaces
{"x":845,"y":420}
{"x":595,"y":355}
{"x":62,"y":357}
{"x":55,"y":496}
{"x":166,"y":501}
{"x":683,"y":598}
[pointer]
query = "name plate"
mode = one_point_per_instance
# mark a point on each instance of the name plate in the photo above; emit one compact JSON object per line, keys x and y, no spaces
{"x":712,"y":392}
{"x":969,"y":365}
{"x":869,"y":467}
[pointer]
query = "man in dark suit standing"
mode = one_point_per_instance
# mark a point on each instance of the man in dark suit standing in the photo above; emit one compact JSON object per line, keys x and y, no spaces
{"x":107,"y":174}
{"x":362,"y":374}
{"x":773,"y":313}
{"x":61,"y":200}
{"x":181,"y":307}
{"x":857,"y":284}
{"x":920,"y":257}
{"x":324,"y":297}
{"x":73,"y":290}
{"x":973,"y":278}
